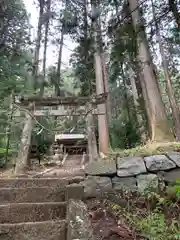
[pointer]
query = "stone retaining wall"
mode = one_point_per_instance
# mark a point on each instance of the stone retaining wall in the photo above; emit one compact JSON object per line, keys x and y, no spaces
{"x":132,"y":173}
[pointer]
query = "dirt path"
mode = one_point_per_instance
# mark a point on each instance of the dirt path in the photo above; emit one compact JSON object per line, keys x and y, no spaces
{"x":72,"y":167}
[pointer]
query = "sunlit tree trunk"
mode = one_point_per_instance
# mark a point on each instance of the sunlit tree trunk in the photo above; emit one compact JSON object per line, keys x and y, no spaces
{"x":57,"y":87}
{"x":38,"y":43}
{"x":92,"y":143}
{"x":102,"y":119}
{"x":45,"y":45}
{"x":174,"y":106}
{"x":160,"y":127}
{"x":106,"y":88}
{"x":61,"y":42}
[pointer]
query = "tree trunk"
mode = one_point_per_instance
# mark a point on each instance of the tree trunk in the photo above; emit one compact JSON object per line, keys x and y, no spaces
{"x":133,"y":87}
{"x":160,"y":127}
{"x":64,"y":26}
{"x":38,"y":45}
{"x":22,"y":160}
{"x":92,"y":143}
{"x":57,"y":88}
{"x":45,"y":47}
{"x":102,"y":119}
{"x":173,"y":8}
{"x":174,"y":106}
{"x":106,"y":88}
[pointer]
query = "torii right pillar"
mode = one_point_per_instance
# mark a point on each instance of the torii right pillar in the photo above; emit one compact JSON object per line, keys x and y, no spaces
{"x":102,"y":119}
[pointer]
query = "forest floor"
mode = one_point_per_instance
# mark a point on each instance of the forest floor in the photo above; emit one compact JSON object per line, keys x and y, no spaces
{"x":131,"y":217}
{"x":71,"y":169}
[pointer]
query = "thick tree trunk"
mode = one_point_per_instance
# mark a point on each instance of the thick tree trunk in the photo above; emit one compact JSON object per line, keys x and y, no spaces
{"x":102,"y":119}
{"x":160,"y":127}
{"x":63,"y":30}
{"x":133,"y":87}
{"x":173,"y":8}
{"x":38,"y":45}
{"x":45,"y":46}
{"x":174,"y":106}
{"x":57,"y":88}
{"x":106,"y":88}
{"x":92,"y":143}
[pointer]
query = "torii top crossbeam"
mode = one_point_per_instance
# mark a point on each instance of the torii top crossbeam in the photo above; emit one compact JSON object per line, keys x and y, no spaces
{"x":70,"y":101}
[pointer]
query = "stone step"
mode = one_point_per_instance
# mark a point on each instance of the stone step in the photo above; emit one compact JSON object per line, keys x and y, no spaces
{"x":32,"y":182}
{"x":40,"y":181}
{"x":66,"y":173}
{"x":30,"y":195}
{"x":32,"y":212}
{"x":48,"y":230}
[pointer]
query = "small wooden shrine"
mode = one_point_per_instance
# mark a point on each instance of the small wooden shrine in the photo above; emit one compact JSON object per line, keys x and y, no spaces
{"x":72,"y":143}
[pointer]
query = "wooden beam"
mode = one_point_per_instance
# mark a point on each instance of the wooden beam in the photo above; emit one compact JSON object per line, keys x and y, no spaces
{"x":55,"y":101}
{"x":60,"y":113}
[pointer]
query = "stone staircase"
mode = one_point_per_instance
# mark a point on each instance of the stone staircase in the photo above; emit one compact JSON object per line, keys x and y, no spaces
{"x":36,"y":208}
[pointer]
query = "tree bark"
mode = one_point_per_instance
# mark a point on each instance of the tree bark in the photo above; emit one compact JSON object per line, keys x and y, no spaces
{"x":160,"y":127}
{"x":102,"y":119}
{"x":57,"y":88}
{"x":174,"y":106}
{"x":38,"y":45}
{"x":173,"y":8}
{"x":64,"y":26}
{"x":106,"y":88}
{"x":45,"y":47}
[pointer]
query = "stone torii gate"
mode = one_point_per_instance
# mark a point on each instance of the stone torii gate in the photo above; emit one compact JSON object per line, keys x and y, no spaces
{"x":70,"y":106}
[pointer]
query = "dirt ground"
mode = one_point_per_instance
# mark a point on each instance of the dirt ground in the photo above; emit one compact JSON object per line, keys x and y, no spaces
{"x":106,"y":226}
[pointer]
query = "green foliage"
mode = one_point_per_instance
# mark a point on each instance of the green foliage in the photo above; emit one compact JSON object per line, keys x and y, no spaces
{"x":82,"y":61}
{"x":3,"y":152}
{"x":124,"y":135}
{"x":173,"y":191}
{"x":155,"y":227}
{"x":15,"y":62}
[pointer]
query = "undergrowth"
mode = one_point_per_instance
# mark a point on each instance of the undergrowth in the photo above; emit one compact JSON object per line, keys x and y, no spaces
{"x":147,"y":150}
{"x":154,"y":226}
{"x":155,"y":216}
